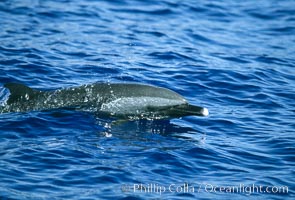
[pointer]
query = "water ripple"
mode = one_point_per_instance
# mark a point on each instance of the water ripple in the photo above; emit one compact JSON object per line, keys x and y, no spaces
{"x":235,"y":58}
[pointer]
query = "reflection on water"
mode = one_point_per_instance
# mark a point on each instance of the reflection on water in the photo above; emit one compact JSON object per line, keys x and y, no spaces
{"x":139,"y":129}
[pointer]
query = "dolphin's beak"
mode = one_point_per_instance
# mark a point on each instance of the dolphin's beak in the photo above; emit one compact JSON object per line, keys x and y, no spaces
{"x":197,"y":110}
{"x":190,"y":110}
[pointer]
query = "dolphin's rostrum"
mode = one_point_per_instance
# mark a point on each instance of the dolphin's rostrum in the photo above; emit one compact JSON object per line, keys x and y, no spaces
{"x":120,"y":100}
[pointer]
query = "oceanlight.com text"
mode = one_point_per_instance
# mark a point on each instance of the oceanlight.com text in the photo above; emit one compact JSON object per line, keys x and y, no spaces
{"x":204,"y":187}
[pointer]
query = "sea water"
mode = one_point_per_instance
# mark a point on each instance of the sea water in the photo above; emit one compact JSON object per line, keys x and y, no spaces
{"x":234,"y":57}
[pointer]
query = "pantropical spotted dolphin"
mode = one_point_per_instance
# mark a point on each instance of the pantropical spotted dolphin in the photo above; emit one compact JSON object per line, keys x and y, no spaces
{"x":120,"y":100}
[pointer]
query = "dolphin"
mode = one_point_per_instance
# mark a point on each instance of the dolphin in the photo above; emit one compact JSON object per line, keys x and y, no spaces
{"x":119,"y":100}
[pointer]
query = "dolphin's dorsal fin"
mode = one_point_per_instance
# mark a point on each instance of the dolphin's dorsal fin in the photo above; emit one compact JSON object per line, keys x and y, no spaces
{"x":19,"y":92}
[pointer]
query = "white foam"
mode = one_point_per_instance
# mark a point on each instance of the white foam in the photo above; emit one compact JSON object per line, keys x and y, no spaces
{"x":4,"y":96}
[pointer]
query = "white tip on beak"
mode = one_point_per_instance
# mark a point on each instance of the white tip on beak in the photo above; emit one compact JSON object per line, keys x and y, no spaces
{"x":205,"y":112}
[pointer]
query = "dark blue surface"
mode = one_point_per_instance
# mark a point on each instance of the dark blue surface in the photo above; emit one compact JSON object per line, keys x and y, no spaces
{"x":234,"y":57}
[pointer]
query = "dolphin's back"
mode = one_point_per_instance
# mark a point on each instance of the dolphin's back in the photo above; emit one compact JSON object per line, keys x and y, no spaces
{"x":21,"y":98}
{"x":19,"y":92}
{"x":140,"y":90}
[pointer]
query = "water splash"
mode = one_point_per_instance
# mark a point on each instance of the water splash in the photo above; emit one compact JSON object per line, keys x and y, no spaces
{"x":4,"y":95}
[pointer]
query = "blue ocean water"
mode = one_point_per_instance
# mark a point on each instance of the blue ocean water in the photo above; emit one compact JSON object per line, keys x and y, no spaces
{"x":236,"y":58}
